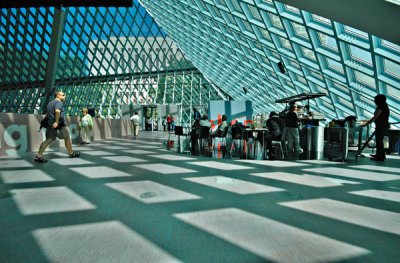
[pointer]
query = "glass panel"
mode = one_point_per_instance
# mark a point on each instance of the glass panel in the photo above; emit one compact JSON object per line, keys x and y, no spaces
{"x":292,"y":9}
{"x":335,"y":65}
{"x":327,"y":41}
{"x":365,"y":79}
{"x":300,"y":30}
{"x":355,"y":32}
{"x":360,"y":55}
{"x":391,"y":68}
{"x":276,"y":21}
{"x":321,"y":19}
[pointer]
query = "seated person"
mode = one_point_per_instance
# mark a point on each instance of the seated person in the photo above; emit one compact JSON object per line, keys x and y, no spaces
{"x":204,"y":121}
{"x":275,"y":127}
{"x":220,"y":131}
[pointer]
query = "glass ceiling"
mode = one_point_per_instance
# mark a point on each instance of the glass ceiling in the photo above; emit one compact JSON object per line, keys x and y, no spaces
{"x":194,"y":51}
{"x":238,"y":44}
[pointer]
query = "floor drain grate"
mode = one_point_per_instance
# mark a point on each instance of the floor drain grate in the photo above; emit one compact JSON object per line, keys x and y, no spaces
{"x":292,"y":196}
{"x":147,"y":195}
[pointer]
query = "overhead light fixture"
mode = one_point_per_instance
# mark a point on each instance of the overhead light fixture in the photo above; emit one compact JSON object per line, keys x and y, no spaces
{"x":244,"y":90}
{"x":65,"y":3}
{"x":281,"y":67}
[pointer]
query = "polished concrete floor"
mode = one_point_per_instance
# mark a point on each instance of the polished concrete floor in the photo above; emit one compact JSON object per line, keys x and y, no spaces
{"x":130,"y":200}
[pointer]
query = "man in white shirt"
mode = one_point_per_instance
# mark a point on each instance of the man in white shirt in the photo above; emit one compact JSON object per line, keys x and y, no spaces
{"x":135,"y":121}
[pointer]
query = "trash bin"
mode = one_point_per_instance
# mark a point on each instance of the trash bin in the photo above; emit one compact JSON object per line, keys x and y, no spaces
{"x":315,"y":143}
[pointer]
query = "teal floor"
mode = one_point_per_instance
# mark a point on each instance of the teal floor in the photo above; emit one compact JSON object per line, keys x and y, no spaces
{"x":130,"y":200}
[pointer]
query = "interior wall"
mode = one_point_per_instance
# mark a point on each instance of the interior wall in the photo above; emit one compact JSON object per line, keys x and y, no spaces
{"x":19,"y":133}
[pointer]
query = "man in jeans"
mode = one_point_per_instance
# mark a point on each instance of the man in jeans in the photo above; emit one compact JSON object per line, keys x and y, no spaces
{"x":56,"y":127}
{"x":292,"y":130}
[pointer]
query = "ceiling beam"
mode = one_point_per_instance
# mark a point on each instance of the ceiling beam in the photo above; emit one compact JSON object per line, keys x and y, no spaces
{"x":65,"y":3}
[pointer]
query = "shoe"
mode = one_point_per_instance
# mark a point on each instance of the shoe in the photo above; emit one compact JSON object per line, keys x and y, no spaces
{"x":82,"y":143}
{"x":377,"y":159}
{"x":40,"y":159}
{"x":74,"y":155}
{"x":373,"y":155}
{"x":87,"y":142}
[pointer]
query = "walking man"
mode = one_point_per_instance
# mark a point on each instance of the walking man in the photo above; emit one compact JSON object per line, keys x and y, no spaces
{"x":56,"y":127}
{"x":135,"y":121}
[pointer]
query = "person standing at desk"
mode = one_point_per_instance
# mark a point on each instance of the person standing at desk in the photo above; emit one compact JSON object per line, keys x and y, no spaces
{"x":204,"y":121}
{"x":292,"y":130}
{"x":220,"y":131}
{"x":381,"y":119}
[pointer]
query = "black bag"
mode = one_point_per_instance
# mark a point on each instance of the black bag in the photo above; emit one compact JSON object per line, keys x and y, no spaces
{"x":44,"y":123}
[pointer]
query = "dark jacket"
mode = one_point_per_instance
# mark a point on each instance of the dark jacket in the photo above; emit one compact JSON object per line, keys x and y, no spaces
{"x":292,"y":120}
{"x":275,"y":126}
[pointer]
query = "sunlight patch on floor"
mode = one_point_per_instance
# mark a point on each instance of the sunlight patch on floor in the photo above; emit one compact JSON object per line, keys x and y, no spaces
{"x":46,"y":200}
{"x":233,"y":185}
{"x":380,"y":194}
{"x":221,"y":165}
{"x":353,"y":173}
{"x":273,"y":163}
{"x":172,"y":157}
{"x":164,"y":168}
{"x":303,"y":179}
{"x":99,"y":172}
{"x":151,"y":192}
{"x":25,"y":176}
{"x":124,"y":159}
{"x":137,"y":151}
{"x":356,"y":214}
{"x":270,"y":239}
{"x":98,"y":242}
{"x":7,"y":163}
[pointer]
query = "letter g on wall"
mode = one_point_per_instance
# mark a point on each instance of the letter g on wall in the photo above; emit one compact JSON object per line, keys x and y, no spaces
{"x":15,"y":136}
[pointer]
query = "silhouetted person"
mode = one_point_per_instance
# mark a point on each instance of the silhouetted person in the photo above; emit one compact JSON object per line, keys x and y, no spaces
{"x":292,"y":130}
{"x":381,"y":119}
